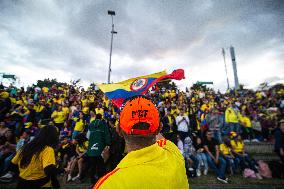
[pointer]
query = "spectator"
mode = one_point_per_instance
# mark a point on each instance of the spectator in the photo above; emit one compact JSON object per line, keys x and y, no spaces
{"x":98,"y":141}
{"x":182,"y":122}
{"x":215,"y":161}
{"x":145,"y":158}
{"x":34,"y":173}
{"x":238,"y":149}
{"x":201,"y":156}
{"x":279,"y":141}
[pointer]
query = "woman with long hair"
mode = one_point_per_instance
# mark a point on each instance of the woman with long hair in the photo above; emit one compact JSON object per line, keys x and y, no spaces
{"x":36,"y":161}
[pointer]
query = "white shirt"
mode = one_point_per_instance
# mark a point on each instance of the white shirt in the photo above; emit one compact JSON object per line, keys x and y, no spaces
{"x":182,"y":126}
{"x":180,"y":146}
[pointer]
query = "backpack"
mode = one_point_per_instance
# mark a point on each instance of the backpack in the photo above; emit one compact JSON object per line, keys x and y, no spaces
{"x":264,"y":169}
{"x":277,"y":169}
{"x":248,"y":173}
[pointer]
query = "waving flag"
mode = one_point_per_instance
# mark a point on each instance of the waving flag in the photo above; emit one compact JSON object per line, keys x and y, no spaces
{"x":117,"y":92}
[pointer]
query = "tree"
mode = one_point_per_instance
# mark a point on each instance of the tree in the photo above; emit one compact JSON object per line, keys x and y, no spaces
{"x":167,"y":84}
{"x":48,"y":83}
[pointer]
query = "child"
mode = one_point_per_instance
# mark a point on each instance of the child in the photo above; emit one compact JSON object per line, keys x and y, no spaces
{"x":226,"y":153}
{"x":200,"y":155}
{"x":189,"y":155}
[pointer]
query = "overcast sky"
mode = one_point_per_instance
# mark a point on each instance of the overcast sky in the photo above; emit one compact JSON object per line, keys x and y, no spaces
{"x":70,"y":39}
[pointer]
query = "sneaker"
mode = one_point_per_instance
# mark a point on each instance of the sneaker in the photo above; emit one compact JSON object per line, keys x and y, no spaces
{"x":205,"y":171}
{"x":76,"y":178}
{"x":258,"y":176}
{"x":198,"y":173}
{"x":7,"y":176}
{"x":69,"y":177}
{"x":255,"y":140}
{"x":222,"y":180}
{"x":190,"y":169}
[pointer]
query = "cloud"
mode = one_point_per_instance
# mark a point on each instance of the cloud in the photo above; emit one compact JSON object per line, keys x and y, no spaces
{"x":74,"y":38}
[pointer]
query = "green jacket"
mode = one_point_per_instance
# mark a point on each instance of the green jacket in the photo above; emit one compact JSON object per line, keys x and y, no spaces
{"x":99,"y":138}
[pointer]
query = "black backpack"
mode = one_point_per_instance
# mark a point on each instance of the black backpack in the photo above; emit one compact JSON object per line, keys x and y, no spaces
{"x":277,"y":169}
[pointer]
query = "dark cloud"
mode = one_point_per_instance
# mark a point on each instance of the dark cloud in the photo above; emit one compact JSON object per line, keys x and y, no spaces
{"x":74,"y":36}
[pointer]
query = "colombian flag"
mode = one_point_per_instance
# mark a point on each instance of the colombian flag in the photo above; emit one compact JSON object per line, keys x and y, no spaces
{"x":118,"y":92}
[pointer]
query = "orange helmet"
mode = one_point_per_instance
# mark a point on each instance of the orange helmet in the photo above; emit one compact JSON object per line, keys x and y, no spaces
{"x":139,"y":110}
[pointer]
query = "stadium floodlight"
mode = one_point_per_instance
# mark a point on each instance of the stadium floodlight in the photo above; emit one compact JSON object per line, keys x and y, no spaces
{"x":111,"y":13}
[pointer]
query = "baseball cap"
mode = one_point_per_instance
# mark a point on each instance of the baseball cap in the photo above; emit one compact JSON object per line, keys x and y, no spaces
{"x":136,"y":110}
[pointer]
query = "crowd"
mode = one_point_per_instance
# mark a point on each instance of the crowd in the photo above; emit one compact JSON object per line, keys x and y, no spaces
{"x":210,"y":129}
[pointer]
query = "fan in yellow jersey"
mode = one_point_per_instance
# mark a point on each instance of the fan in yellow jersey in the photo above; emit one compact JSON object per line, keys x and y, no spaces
{"x":58,"y":117}
{"x":79,"y":125}
{"x":246,"y":126}
{"x":36,"y":161}
{"x":148,"y":164}
{"x":238,"y":149}
{"x":227,"y":154}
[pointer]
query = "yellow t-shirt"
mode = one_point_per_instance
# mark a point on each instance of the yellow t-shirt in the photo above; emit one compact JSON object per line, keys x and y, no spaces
{"x":245,"y":121}
{"x":174,"y":112}
{"x":45,"y":90}
{"x":38,"y":108}
{"x":35,"y":169}
{"x":85,"y":110}
{"x":225,"y":149}
{"x":79,"y":126}
{"x":99,"y":111}
{"x":237,"y":146}
{"x":60,"y":116}
{"x":83,"y":149}
{"x":65,"y":110}
{"x":84,"y":102}
{"x":13,"y":100}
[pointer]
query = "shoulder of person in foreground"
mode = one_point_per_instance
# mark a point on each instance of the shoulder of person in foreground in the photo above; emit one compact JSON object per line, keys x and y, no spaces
{"x":123,"y":177}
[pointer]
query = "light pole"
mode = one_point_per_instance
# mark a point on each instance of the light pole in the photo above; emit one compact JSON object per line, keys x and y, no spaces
{"x":111,"y":13}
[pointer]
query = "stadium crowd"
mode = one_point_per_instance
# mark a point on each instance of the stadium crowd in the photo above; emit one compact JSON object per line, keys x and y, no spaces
{"x":211,"y":129}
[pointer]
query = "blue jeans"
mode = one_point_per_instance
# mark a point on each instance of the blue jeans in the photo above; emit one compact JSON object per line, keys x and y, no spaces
{"x":246,"y":162}
{"x":75,"y":133}
{"x":202,"y":159}
{"x":6,"y":163}
{"x":195,"y":162}
{"x":218,"y":169}
{"x":231,"y":163}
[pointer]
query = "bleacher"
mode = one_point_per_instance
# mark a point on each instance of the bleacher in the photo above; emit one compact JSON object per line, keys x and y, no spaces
{"x":259,"y":151}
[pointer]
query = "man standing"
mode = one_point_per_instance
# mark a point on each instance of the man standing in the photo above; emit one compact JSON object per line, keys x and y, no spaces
{"x":99,"y":141}
{"x":148,"y":164}
{"x":182,"y":122}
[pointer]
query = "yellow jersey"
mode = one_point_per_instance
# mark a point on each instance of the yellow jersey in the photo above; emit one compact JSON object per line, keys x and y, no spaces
{"x":245,"y":121}
{"x":237,"y":146}
{"x":225,"y":149}
{"x":83,"y":148}
{"x":59,"y":117}
{"x":156,"y":166}
{"x":66,"y":111}
{"x":99,"y":111}
{"x":35,"y":169}
{"x":79,"y":126}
